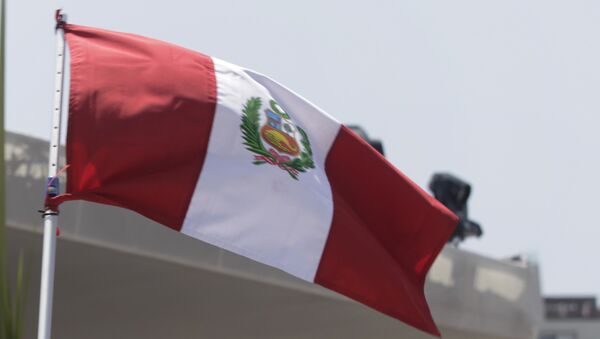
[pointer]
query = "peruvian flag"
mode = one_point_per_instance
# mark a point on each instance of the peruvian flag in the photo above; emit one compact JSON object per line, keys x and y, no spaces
{"x":228,"y":156}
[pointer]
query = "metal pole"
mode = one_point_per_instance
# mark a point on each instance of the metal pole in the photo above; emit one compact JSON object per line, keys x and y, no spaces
{"x":50,"y":215}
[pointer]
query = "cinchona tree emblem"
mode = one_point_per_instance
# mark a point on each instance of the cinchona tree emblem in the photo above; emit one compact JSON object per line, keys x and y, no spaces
{"x":287,"y":145}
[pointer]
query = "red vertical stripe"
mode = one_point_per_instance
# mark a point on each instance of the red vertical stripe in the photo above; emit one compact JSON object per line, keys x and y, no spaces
{"x":384,"y":236}
{"x":140,"y":116}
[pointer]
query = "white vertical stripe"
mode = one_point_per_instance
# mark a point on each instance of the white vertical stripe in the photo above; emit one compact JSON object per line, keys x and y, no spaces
{"x":260,"y":211}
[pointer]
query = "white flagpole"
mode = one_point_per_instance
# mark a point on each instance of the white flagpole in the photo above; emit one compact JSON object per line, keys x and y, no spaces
{"x":50,"y":215}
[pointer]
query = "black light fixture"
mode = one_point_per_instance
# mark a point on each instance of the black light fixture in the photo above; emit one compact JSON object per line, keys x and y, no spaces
{"x":376,"y":144}
{"x":453,"y":193}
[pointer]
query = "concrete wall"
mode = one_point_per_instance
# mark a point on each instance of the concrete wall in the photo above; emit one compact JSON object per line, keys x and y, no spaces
{"x":120,"y":275}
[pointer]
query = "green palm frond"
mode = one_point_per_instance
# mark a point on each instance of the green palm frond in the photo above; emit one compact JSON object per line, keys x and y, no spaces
{"x":12,"y":308}
{"x":251,"y":125}
{"x":305,"y":161}
{"x":305,"y":143}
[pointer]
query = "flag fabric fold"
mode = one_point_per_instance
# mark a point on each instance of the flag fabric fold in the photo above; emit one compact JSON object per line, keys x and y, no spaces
{"x":230,"y":157}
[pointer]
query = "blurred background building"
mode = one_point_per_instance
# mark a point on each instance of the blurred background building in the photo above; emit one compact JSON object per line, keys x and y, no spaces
{"x":119,"y":275}
{"x":571,"y":318}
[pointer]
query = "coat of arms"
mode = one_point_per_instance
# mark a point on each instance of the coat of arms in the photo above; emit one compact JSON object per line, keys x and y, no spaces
{"x":287,"y":145}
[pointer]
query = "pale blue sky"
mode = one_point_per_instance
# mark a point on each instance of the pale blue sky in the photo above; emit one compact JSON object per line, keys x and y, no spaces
{"x":501,"y":93}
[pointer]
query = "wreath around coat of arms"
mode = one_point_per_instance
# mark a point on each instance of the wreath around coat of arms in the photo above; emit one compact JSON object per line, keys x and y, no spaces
{"x":279,"y":133}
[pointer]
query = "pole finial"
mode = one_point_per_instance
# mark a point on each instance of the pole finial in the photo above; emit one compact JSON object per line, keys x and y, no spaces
{"x":61,"y":18}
